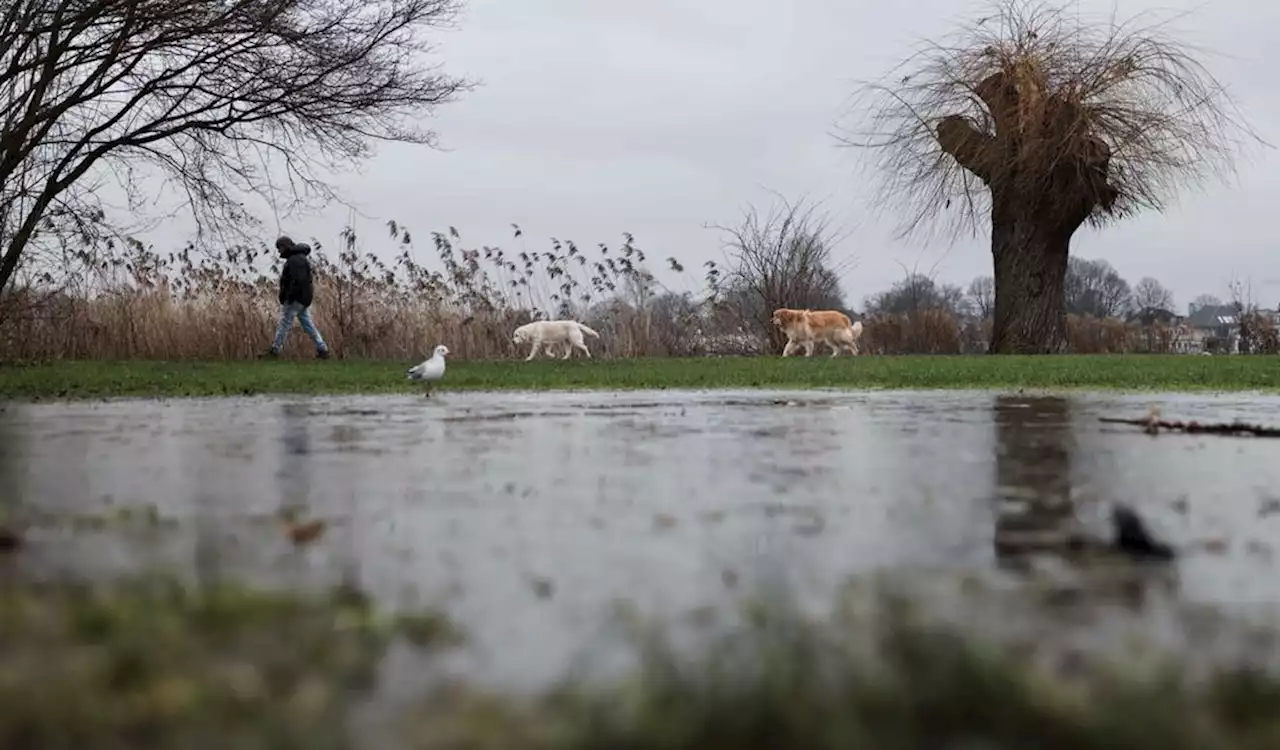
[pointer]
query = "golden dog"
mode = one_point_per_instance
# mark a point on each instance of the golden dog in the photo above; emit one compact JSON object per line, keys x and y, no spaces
{"x":806,"y":328}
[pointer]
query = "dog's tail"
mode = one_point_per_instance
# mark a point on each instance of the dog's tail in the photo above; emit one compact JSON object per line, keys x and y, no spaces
{"x":856,"y":328}
{"x":586,"y":330}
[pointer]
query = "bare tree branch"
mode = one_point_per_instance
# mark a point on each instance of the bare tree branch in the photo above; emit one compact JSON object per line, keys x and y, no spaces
{"x":1028,"y":99}
{"x":201,"y":92}
{"x":1150,"y":294}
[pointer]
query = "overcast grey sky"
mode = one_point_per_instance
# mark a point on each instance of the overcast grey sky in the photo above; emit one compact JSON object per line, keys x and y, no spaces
{"x":656,"y":118}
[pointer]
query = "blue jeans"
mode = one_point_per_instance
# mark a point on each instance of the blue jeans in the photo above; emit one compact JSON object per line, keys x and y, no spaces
{"x":287,"y":313}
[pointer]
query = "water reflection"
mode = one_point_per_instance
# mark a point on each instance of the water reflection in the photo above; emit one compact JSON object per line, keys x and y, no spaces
{"x":1033,"y":461}
{"x":10,"y":445}
{"x":1037,"y":515}
{"x":649,"y":496}
{"x":294,"y":476}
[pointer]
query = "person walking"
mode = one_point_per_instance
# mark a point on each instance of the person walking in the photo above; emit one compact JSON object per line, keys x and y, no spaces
{"x":295,"y":296}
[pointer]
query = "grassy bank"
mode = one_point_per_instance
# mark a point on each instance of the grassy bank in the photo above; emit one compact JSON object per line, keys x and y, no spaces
{"x":91,"y":379}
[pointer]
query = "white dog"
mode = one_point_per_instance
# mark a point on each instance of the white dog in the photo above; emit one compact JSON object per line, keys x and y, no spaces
{"x":550,"y":333}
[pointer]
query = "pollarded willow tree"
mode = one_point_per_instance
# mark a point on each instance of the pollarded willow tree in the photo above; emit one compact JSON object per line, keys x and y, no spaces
{"x":1040,"y":123}
{"x":205,"y":94}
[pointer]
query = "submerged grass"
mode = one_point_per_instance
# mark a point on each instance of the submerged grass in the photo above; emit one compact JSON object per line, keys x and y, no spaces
{"x":90,"y":379}
{"x":155,"y":664}
{"x":891,"y":683}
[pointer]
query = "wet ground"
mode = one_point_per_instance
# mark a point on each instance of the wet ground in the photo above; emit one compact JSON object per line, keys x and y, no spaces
{"x":526,"y":516}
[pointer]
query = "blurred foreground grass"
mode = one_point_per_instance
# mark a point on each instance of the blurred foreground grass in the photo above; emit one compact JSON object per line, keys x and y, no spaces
{"x":153,"y":664}
{"x":156,"y":664}
{"x":90,"y":379}
{"x":891,"y":683}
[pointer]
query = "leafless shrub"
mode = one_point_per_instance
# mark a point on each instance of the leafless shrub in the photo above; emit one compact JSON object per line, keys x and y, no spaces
{"x":930,"y":331}
{"x":782,"y":259}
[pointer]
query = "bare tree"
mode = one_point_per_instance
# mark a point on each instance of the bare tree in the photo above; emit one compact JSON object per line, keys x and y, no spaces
{"x":1094,"y":287}
{"x":782,"y":259}
{"x":1203,"y":301}
{"x":205,"y":94}
{"x":917,"y":293}
{"x":982,"y":294}
{"x":1255,"y":331}
{"x":1150,"y":294}
{"x":1039,"y":123}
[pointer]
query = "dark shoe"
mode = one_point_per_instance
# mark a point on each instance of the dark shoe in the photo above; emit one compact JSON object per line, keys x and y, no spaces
{"x":322,"y":354}
{"x":271,"y":354}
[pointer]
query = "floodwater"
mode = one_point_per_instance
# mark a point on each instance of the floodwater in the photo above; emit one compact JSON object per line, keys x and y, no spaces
{"x":528,"y":516}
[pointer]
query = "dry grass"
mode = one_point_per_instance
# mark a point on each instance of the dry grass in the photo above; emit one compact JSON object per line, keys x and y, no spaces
{"x":134,"y":304}
{"x":137,"y":304}
{"x":942,"y":332}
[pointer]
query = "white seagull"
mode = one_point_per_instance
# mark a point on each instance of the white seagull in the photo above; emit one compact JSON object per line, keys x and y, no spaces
{"x":432,"y":369}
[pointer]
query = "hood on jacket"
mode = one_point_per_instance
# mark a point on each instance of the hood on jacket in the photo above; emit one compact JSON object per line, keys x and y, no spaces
{"x":287,"y":247}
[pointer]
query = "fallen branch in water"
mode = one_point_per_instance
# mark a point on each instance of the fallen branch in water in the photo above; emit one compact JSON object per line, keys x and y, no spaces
{"x":1153,"y":424}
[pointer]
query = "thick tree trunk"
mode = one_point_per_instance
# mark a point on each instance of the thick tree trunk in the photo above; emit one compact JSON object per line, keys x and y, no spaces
{"x":1030,"y":274}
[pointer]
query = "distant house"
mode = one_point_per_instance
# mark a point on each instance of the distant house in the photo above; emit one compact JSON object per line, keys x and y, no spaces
{"x":1213,"y":328}
{"x":1174,"y":336}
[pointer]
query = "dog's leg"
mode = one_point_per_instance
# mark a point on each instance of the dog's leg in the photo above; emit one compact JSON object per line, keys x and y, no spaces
{"x":576,"y":341}
{"x":537,"y":344}
{"x":786,"y":350}
{"x":809,"y":346}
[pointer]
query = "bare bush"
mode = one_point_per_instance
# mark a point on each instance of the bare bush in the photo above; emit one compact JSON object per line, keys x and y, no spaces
{"x":1089,"y":335}
{"x":928,"y":331}
{"x":1038,"y":123}
{"x":782,"y":259}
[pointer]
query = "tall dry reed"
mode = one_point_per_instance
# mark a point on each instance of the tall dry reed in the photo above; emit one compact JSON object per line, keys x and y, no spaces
{"x":130,"y":302}
{"x":134,"y":303}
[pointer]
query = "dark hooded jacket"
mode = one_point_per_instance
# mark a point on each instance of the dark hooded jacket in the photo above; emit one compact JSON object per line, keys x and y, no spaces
{"x":295,"y":277}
